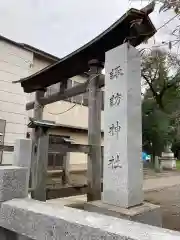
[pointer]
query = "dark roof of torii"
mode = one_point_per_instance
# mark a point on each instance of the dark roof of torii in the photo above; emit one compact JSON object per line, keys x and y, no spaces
{"x":134,"y":25}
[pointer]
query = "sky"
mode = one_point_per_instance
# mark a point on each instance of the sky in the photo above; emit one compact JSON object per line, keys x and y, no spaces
{"x":60,"y":27}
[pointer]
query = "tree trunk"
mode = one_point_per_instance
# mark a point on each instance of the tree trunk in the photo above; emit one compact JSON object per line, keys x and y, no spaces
{"x":178,"y":154}
{"x":153,"y":159}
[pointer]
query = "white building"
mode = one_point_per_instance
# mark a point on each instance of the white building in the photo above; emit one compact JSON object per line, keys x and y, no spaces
{"x":18,"y":61}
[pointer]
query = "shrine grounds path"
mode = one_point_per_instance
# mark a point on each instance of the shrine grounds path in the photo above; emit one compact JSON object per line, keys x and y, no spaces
{"x":164,"y":189}
{"x":160,"y":188}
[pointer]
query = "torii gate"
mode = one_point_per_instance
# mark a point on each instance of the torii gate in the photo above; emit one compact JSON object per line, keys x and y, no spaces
{"x":135,"y":27}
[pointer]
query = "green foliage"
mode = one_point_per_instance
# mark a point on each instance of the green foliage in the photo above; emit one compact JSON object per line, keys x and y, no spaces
{"x":176,"y":148}
{"x":161,"y":74}
{"x":160,"y":105}
{"x":156,"y":127}
{"x":178,"y":165}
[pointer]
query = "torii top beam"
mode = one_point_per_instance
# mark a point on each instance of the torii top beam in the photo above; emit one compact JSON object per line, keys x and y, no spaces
{"x":134,"y":26}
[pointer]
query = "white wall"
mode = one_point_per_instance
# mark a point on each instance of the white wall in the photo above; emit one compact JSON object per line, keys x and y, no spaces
{"x":77,"y":116}
{"x":15,"y":63}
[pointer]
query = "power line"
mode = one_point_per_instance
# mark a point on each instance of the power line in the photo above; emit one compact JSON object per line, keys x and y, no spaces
{"x":88,"y":81}
{"x":169,"y":42}
{"x":168,"y":21}
{"x":63,"y":111}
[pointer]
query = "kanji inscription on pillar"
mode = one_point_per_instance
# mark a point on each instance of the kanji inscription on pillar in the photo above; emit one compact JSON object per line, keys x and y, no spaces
{"x":122,"y":178}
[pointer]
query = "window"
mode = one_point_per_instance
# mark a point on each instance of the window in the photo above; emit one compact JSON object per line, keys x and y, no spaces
{"x":56,"y":160}
{"x":2,"y":133}
{"x":102,"y":95}
{"x":56,"y":139}
{"x":102,"y":160}
{"x":53,"y":89}
{"x":50,"y":160}
{"x":28,"y":135}
{"x":79,"y":98}
{"x":85,"y":98}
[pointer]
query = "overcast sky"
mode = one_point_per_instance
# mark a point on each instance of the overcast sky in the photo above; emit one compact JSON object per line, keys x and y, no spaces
{"x":61,"y":26}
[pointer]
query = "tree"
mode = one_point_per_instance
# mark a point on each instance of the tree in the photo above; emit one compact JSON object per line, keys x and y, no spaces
{"x":160,"y":105}
{"x":156,"y":127}
{"x":171,"y":4}
{"x":161,"y":76}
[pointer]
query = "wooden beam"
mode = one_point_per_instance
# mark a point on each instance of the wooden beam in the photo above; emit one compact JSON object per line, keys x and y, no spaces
{"x":63,"y":148}
{"x":57,"y":148}
{"x":67,"y":191}
{"x":66,"y":93}
{"x":42,"y":160}
{"x":55,"y":173}
{"x":6,"y":148}
{"x":94,"y":132}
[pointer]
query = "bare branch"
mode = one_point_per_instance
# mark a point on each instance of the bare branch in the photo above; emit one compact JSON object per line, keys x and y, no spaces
{"x":150,"y":85}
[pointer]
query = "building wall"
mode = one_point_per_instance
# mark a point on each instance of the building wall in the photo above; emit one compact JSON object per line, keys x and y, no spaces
{"x":15,"y":63}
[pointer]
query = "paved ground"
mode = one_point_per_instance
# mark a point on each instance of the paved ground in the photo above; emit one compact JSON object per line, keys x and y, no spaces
{"x":164,"y":189}
{"x":160,"y":188}
{"x":153,"y":184}
{"x":150,"y":173}
{"x":169,"y":200}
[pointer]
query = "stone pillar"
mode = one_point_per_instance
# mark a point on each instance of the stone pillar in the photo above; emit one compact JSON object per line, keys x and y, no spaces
{"x":22,"y":154}
{"x":122,"y":183}
{"x":44,"y":221}
{"x":123,"y":176}
{"x":13,"y":184}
